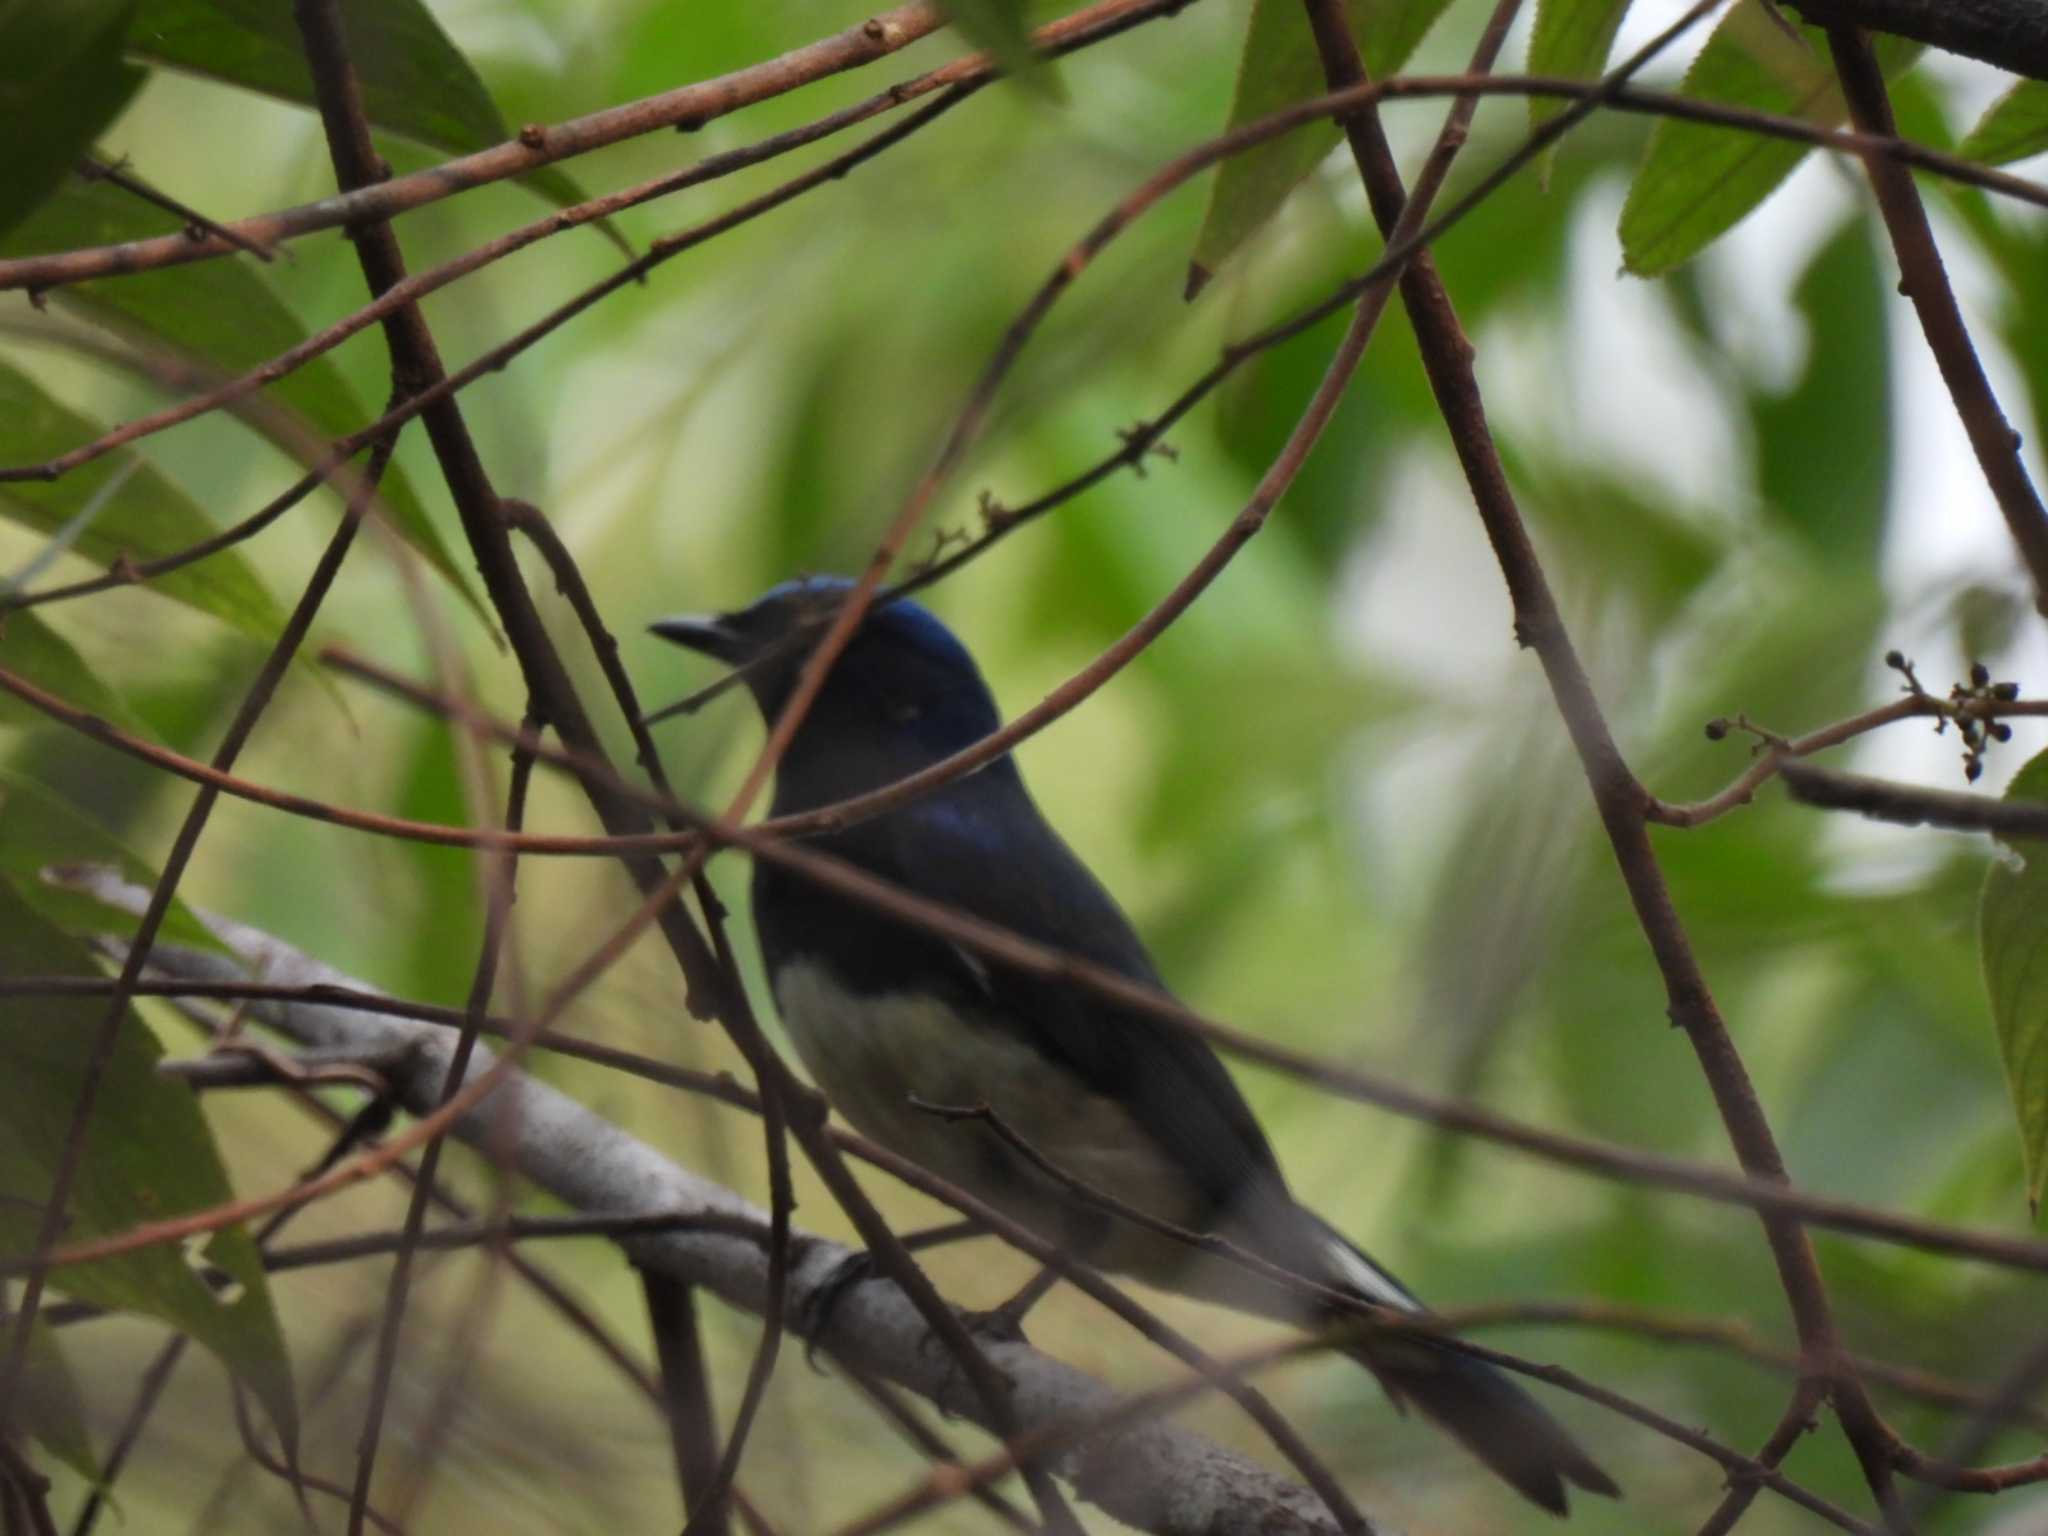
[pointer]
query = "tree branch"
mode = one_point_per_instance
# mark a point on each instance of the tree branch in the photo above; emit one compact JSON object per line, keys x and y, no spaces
{"x":2013,"y":34}
{"x":1154,"y":1476}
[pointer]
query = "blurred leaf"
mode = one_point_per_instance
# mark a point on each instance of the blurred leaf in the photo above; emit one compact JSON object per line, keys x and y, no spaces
{"x":62,"y":80}
{"x":1333,"y":500}
{"x":1490,"y":927}
{"x":32,"y":649}
{"x":38,"y":828}
{"x":222,"y":312}
{"x":1278,"y":67}
{"x":1823,"y":469}
{"x":1887,"y":1101}
{"x":415,"y":81}
{"x":149,"y":1156}
{"x":1644,"y":550}
{"x":146,"y":516}
{"x":1002,"y":28}
{"x":1571,"y":38}
{"x":51,"y":1409}
{"x":2014,"y":127}
{"x":441,"y":880}
{"x":1698,"y":181}
{"x":2012,"y":928}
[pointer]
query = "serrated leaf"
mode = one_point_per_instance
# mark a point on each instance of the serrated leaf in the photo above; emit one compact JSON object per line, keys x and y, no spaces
{"x":62,"y":80}
{"x":1698,"y":181}
{"x":1002,"y":29}
{"x":1571,"y":38}
{"x":2012,"y":128}
{"x":149,"y":1156}
{"x":51,"y":1409}
{"x":415,"y":81}
{"x":221,"y":312}
{"x":31,"y":649}
{"x":2012,"y":937}
{"x":145,"y":516}
{"x":39,"y":828}
{"x":1278,"y":67}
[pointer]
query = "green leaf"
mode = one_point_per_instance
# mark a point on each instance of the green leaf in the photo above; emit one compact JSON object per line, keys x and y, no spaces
{"x":149,"y":1156}
{"x":62,"y":80}
{"x":416,"y":82}
{"x":140,"y":517}
{"x":1002,"y":28}
{"x":1698,"y":181}
{"x":51,"y":1408}
{"x":1817,"y":466}
{"x":1279,"y":67}
{"x":31,"y":649}
{"x":1571,"y":38}
{"x":2012,"y":937}
{"x":39,"y":828}
{"x":220,"y":311}
{"x":2014,"y":127}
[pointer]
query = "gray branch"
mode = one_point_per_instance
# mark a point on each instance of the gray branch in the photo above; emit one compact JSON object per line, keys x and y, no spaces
{"x":2013,"y":34}
{"x":1154,"y":1476}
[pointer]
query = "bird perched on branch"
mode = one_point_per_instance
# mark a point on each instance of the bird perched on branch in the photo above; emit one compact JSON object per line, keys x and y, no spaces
{"x":895,"y":1022}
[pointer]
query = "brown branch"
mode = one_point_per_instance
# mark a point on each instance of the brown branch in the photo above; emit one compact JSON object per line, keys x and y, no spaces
{"x":1911,"y":806}
{"x":686,"y":1394}
{"x":1953,"y":1473}
{"x":1775,"y":750}
{"x":1620,"y":800}
{"x":1145,"y":438}
{"x":944,"y":1483}
{"x":540,"y":1115}
{"x":338,"y":92}
{"x":99,"y":1055}
{"x":197,"y":224}
{"x":535,"y":146}
{"x":499,"y":895}
{"x":1925,"y":283}
{"x":2012,"y":34}
{"x":1761,"y":1194}
{"x":709,"y":992}
{"x":927,"y":1440}
{"x":1092,"y":24}
{"x":1600,"y":1159}
{"x":1730,"y":1335}
{"x":147,"y":1394}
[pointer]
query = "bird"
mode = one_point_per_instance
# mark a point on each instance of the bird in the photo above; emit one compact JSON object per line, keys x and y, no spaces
{"x":892,"y":1020}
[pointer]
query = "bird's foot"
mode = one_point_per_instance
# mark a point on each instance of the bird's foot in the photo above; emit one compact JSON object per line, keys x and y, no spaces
{"x":853,"y":1270}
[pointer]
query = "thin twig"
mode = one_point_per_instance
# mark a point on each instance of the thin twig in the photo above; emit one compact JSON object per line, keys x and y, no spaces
{"x":99,"y":1056}
{"x":1447,"y":356}
{"x":535,"y":146}
{"x":197,"y":224}
{"x":1925,"y":283}
{"x":1093,"y":24}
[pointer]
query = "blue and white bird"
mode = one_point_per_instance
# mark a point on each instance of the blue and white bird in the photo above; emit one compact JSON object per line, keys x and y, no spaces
{"x":887,"y":1016}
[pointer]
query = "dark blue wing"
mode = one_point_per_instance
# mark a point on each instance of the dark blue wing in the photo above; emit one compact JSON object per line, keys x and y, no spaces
{"x":982,"y":847}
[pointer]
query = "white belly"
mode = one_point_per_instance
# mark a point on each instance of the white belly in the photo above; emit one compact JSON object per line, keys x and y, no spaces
{"x":871,"y":1056}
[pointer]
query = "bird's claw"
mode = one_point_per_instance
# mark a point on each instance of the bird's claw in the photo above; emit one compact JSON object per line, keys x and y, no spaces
{"x":853,"y":1270}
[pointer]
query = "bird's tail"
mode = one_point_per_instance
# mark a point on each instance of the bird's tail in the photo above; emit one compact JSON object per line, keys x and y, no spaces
{"x":1476,"y":1404}
{"x":1492,"y":1417}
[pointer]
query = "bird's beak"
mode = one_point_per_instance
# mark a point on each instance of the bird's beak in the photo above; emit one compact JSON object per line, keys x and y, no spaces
{"x":708,"y":633}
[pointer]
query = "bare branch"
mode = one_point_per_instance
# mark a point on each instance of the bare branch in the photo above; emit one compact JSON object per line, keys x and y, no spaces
{"x":2013,"y":34}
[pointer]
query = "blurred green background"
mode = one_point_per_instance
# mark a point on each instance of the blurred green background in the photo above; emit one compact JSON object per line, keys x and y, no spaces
{"x":1335,"y":798}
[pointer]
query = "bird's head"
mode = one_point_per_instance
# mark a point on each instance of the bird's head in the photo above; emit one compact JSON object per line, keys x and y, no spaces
{"x":905,"y":688}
